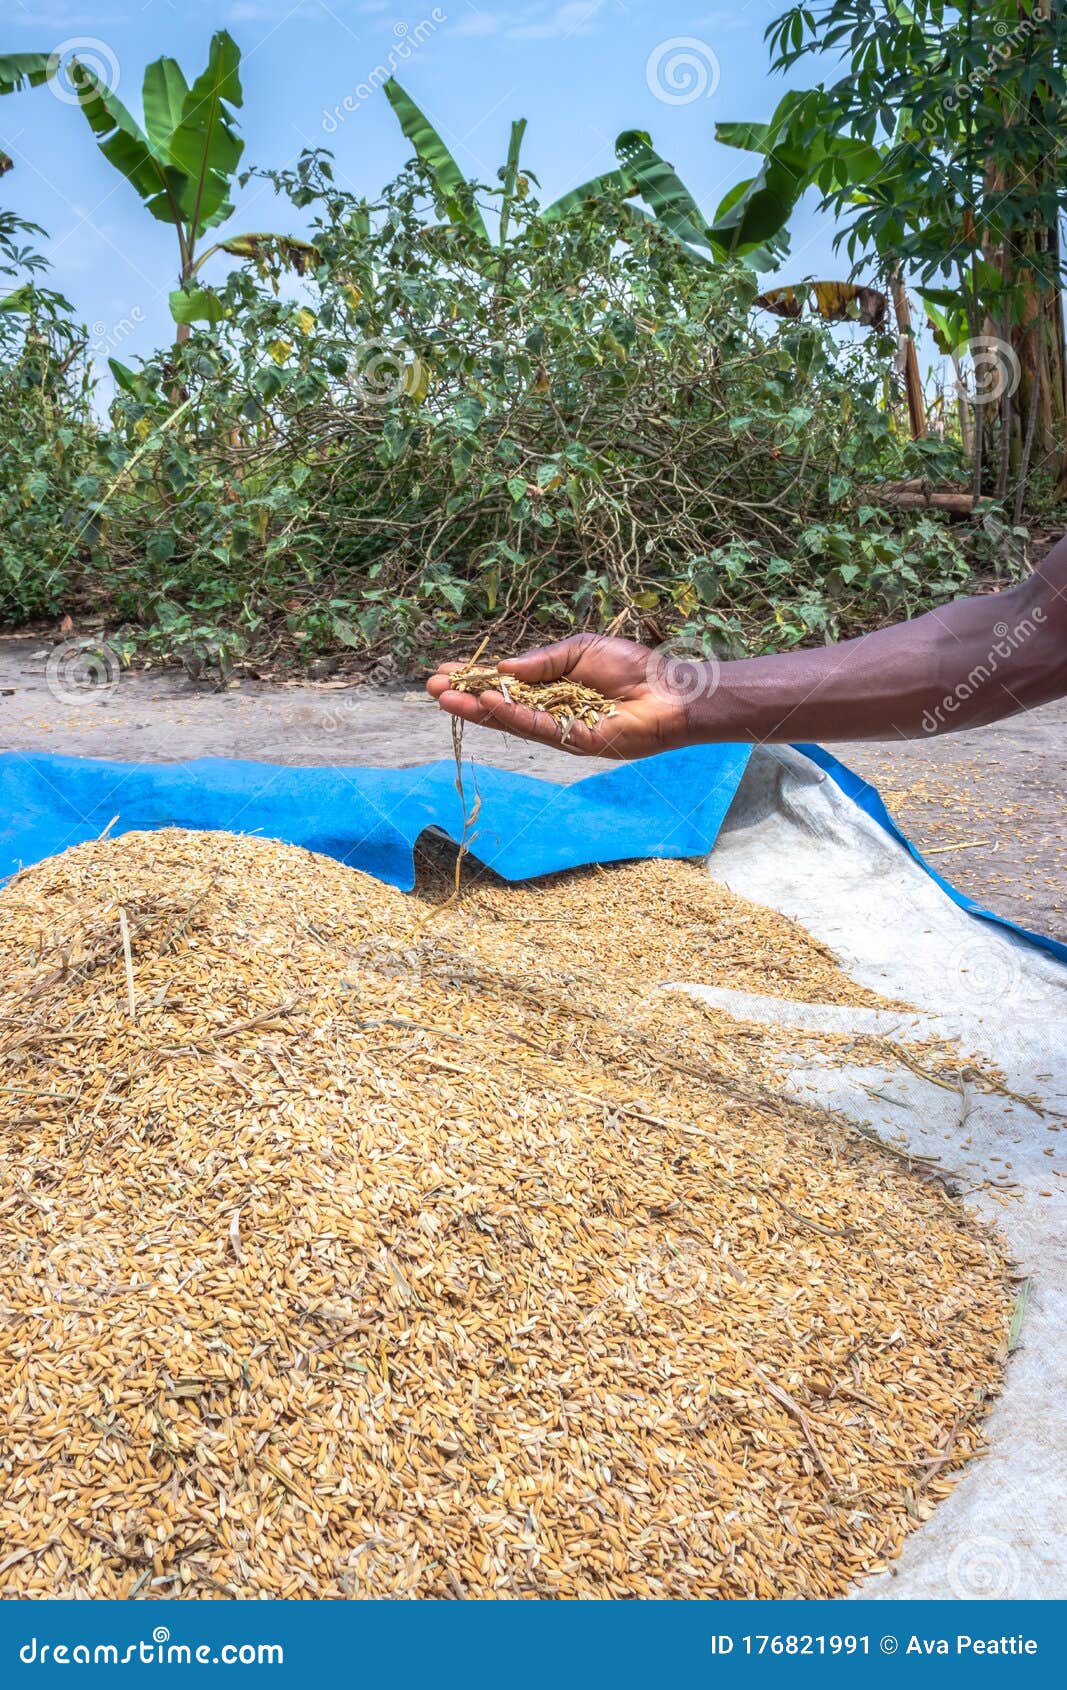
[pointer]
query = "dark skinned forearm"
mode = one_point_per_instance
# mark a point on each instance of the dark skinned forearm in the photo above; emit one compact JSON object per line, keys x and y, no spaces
{"x":972,"y":662}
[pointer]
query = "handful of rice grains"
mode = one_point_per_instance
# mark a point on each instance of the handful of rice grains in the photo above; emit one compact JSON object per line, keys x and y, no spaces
{"x":566,"y":701}
{"x":351,"y":1254}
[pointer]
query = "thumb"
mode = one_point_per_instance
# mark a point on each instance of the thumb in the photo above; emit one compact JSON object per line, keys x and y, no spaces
{"x":549,"y":662}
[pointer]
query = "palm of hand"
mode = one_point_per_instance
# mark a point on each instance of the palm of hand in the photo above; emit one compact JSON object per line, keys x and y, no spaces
{"x":646,"y":718}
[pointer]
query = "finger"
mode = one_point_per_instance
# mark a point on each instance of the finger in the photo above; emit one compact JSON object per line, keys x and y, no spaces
{"x":437,"y":684}
{"x":548,"y":662}
{"x":592,"y":742}
{"x":468,"y":706}
{"x":493,"y":710}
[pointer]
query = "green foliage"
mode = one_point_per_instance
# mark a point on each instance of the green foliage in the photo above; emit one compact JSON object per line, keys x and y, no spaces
{"x":936,"y":150}
{"x":183,"y":163}
{"x":446,"y":435}
{"x":959,"y":108}
{"x":48,"y":468}
{"x":24,"y":70}
{"x":642,"y":173}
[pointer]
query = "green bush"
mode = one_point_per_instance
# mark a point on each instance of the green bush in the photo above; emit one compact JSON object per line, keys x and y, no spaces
{"x":47,"y":466}
{"x":440,"y":436}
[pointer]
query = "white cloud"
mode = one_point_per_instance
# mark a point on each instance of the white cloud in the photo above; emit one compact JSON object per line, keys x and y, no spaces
{"x":573,"y":17}
{"x":271,"y":11}
{"x":543,"y":21}
{"x":722,"y":21}
{"x":477,"y":24}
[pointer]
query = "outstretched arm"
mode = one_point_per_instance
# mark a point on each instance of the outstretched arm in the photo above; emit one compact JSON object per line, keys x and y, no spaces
{"x":962,"y":666}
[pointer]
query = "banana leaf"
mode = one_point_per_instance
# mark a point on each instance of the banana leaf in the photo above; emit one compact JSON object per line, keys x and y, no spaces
{"x":25,"y":70}
{"x":125,"y":145}
{"x":758,"y":209}
{"x":20,"y":301}
{"x":948,"y":323}
{"x":834,"y":302}
{"x":510,"y":176}
{"x":800,"y":150}
{"x":431,"y":151}
{"x":195,"y":305}
{"x":661,"y":187}
{"x":298,"y":256}
{"x":163,"y":93}
{"x":205,"y":147}
{"x":612,"y":183}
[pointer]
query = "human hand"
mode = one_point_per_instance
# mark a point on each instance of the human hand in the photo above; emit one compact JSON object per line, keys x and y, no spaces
{"x":648,"y":717}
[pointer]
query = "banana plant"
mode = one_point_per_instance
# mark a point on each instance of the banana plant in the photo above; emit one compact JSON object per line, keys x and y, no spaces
{"x":802,"y":149}
{"x":182,"y":160}
{"x":453,"y":193}
{"x":23,"y":70}
{"x":641,"y":174}
{"x":834,"y":302}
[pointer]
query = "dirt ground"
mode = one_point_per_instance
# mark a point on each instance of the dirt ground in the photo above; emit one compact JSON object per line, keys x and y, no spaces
{"x":987,"y":806}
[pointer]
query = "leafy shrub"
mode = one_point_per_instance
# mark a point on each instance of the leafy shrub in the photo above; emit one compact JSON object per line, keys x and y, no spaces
{"x":440,"y":435}
{"x":47,"y":479}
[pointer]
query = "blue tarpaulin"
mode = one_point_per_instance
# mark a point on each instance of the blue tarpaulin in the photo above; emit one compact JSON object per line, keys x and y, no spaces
{"x":667,"y":806}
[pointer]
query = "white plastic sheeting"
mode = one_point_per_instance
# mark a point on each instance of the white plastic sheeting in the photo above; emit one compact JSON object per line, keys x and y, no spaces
{"x":794,"y":841}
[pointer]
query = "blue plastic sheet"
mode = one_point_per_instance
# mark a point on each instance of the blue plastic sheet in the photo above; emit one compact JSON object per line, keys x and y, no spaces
{"x":668,"y":806}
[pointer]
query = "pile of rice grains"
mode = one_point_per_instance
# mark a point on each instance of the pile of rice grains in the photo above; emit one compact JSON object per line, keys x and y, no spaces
{"x":363,"y":1244}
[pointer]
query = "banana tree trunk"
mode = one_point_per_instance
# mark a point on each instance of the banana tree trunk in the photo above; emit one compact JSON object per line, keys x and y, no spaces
{"x":908,"y":358}
{"x":964,"y":409}
{"x":183,"y":330}
{"x":1030,"y":265}
{"x":1057,"y":370}
{"x":1037,"y":340}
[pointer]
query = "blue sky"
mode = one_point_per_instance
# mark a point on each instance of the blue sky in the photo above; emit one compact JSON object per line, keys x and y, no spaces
{"x":578,"y":70}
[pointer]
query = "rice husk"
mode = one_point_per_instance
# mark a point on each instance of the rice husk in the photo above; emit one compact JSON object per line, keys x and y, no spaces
{"x":362,"y":1244}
